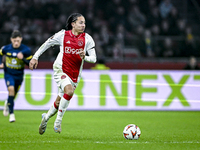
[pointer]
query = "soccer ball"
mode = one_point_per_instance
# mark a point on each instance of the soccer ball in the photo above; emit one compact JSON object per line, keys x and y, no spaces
{"x":132,"y":132}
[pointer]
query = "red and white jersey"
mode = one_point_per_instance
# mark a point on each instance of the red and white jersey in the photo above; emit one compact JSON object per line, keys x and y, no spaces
{"x":68,"y":58}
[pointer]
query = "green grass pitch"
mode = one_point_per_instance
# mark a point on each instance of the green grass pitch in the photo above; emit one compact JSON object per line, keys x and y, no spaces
{"x":102,"y":130}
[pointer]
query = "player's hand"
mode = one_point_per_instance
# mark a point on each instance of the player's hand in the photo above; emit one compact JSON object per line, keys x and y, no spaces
{"x":20,"y":55}
{"x":81,"y":53}
{"x":1,"y":66}
{"x":33,"y":64}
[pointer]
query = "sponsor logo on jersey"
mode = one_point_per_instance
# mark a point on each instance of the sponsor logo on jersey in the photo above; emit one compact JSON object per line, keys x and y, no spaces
{"x":70,"y":50}
{"x":68,"y":42}
{"x":14,"y":61}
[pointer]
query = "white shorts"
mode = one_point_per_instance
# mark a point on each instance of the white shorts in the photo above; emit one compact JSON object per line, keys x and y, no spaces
{"x":62,"y":79}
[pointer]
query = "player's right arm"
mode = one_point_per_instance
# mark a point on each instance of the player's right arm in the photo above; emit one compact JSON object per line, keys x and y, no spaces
{"x":54,"y":40}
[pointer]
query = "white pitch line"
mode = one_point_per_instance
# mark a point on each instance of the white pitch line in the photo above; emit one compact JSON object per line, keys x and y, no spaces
{"x":99,"y":142}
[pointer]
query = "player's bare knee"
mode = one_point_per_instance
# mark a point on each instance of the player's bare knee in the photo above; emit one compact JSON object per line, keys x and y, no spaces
{"x":70,"y":92}
{"x":11,"y":90}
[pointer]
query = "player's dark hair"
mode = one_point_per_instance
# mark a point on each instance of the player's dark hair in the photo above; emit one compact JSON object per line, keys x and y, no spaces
{"x":72,"y":18}
{"x":16,"y":33}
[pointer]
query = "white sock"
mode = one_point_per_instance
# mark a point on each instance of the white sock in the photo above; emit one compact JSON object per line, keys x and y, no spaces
{"x":52,"y":111}
{"x":61,"y":110}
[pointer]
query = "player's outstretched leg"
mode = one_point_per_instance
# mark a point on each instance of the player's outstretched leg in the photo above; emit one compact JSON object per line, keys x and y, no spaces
{"x":43,"y":124}
{"x":46,"y":116}
{"x":5,"y":109}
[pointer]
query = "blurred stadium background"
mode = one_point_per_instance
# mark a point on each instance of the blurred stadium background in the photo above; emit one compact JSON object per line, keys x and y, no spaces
{"x":131,"y":34}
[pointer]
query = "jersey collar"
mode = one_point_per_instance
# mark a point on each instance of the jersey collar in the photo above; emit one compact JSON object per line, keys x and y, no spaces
{"x":75,"y":36}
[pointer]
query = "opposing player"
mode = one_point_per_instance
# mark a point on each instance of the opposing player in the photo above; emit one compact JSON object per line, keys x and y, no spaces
{"x":74,"y":43}
{"x":16,"y":56}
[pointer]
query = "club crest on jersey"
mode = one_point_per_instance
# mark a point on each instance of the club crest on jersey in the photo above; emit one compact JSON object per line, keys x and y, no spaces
{"x":80,"y":43}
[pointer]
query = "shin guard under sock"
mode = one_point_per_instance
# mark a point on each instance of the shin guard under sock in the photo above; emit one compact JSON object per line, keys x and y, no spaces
{"x":64,"y":102}
{"x":52,"y":111}
{"x":11,"y":104}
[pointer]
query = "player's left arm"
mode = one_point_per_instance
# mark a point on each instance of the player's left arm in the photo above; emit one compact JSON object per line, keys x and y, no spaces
{"x":90,"y":51}
{"x":91,"y":56}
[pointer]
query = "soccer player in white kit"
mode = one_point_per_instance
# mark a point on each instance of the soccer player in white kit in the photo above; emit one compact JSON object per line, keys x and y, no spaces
{"x":74,"y":43}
